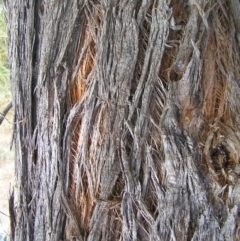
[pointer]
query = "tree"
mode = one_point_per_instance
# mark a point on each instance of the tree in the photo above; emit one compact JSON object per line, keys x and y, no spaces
{"x":126,"y":119}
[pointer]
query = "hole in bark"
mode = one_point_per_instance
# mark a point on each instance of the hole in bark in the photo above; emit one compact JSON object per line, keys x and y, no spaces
{"x":221,"y":163}
{"x":220,"y":158}
{"x":118,"y":187}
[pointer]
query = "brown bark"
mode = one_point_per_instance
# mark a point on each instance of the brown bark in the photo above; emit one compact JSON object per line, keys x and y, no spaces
{"x":126,"y":119}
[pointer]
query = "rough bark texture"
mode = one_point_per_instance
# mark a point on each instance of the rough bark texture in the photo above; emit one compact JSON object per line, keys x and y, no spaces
{"x":126,"y":119}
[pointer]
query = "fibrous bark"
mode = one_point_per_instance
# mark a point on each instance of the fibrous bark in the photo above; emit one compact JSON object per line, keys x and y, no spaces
{"x":126,"y":119}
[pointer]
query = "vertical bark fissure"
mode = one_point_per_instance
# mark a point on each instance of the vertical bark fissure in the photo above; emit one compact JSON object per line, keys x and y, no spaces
{"x":38,"y":210}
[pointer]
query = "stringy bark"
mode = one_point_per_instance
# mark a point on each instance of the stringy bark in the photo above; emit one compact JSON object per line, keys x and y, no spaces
{"x":126,"y":120}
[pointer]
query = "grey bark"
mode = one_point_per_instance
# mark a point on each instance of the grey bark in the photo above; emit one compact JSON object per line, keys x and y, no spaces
{"x":126,"y":119}
{"x":5,"y":111}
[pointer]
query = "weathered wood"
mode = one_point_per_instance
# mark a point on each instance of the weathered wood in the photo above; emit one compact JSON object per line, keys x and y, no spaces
{"x":127,"y":120}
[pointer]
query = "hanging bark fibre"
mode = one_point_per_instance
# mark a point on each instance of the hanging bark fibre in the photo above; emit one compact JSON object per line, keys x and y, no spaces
{"x":131,"y":127}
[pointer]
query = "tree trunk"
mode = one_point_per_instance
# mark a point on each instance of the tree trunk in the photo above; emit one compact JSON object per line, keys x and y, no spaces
{"x":126,"y":119}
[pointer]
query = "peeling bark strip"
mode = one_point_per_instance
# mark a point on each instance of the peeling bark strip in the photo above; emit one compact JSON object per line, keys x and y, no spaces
{"x":127,"y":120}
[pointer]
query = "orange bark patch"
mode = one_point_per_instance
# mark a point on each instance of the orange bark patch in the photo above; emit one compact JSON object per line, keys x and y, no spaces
{"x":87,"y":64}
{"x":215,"y":84}
{"x":78,"y":178}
